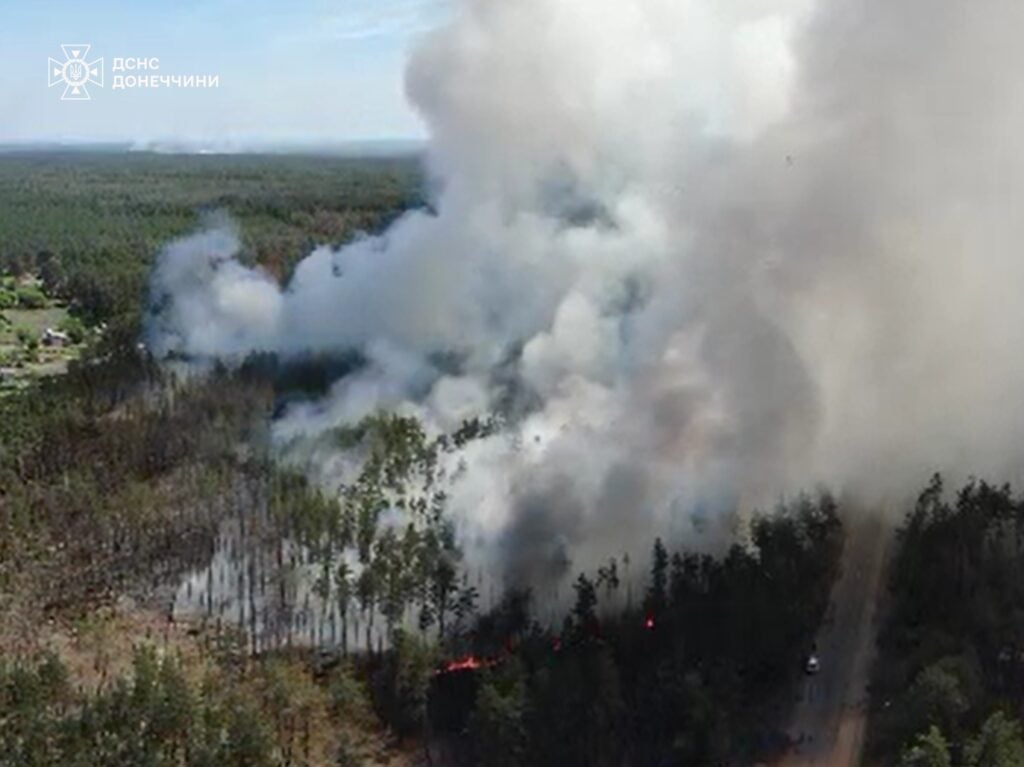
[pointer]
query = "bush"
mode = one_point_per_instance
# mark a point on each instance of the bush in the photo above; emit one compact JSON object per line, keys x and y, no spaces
{"x":31,"y":297}
{"x":27,"y":337}
{"x":74,"y":328}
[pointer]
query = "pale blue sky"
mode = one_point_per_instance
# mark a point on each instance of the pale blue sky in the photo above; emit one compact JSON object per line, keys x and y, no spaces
{"x":300,"y":71}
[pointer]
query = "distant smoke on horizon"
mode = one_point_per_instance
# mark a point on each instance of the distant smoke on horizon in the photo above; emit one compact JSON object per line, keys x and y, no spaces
{"x":704,"y":253}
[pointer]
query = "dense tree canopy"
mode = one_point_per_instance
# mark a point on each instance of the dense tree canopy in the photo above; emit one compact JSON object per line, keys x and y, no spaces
{"x":951,"y":655}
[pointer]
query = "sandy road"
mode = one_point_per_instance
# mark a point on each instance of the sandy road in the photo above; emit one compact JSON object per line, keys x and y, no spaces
{"x":828,"y":724}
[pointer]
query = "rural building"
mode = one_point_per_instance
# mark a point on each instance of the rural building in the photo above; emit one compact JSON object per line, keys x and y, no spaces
{"x":55,"y":338}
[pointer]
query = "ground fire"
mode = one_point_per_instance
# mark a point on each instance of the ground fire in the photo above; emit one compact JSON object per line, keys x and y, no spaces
{"x":467,"y":663}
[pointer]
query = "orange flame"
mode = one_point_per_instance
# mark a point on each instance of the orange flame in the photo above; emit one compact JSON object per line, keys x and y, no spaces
{"x":468,"y":663}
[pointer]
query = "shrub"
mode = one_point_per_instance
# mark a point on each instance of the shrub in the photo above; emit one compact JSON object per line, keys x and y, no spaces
{"x":74,"y":328}
{"x":27,"y":337}
{"x":31,"y":297}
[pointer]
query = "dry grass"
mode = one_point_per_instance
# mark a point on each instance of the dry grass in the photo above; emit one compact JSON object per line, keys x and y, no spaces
{"x":99,"y":648}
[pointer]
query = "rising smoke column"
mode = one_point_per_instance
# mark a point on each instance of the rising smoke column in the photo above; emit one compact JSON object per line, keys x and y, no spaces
{"x":699,"y":253}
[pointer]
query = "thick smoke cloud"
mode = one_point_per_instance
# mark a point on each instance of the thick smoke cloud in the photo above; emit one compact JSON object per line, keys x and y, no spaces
{"x":701,"y":253}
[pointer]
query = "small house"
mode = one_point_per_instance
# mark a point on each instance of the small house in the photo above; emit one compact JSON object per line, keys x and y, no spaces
{"x":55,"y":338}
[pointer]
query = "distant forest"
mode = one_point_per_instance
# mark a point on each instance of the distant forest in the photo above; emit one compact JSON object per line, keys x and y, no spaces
{"x":89,"y":224}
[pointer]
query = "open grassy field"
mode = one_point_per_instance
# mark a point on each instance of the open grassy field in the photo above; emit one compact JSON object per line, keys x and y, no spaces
{"x":34,"y":320}
{"x":20,"y":362}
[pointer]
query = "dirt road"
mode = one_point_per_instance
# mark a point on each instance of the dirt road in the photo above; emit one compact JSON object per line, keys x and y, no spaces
{"x":828,"y":725}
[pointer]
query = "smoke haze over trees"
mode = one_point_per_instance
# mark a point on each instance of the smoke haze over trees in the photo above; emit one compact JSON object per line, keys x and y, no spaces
{"x":729,"y":256}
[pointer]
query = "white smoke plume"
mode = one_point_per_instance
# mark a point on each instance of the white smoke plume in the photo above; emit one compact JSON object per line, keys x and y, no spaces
{"x":701,"y":252}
